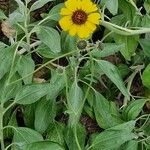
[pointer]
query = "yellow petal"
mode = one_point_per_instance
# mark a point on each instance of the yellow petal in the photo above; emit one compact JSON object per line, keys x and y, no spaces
{"x":88,"y":6}
{"x":79,"y":6}
{"x":94,"y":18}
{"x":73,"y":30}
{"x":72,"y":5}
{"x":65,"y":23}
{"x":83,"y":32}
{"x":90,"y":26}
{"x":65,"y":11}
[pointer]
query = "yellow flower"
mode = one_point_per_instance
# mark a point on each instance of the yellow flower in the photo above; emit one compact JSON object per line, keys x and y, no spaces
{"x":79,"y":17}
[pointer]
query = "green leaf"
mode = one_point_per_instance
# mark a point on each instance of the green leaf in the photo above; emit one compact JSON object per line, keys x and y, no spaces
{"x":123,"y":69}
{"x":146,"y":77}
{"x":28,"y":1}
{"x":57,"y":83}
{"x":54,"y":13}
{"x":45,"y":113}
{"x":2,"y":15}
{"x":2,"y":45}
{"x":130,"y":42}
{"x":31,"y":93}
{"x":21,"y":6}
{"x":112,"y":139}
{"x":148,"y":146}
{"x":112,"y":6}
{"x":49,"y":37}
{"x":138,"y":21}
{"x":45,"y":145}
{"x":38,"y":4}
{"x":106,"y":112}
{"x":23,"y":136}
{"x":71,"y":136}
{"x":109,"y":49}
{"x":75,"y":103}
{"x":113,"y":74}
{"x":127,"y":126}
{"x":45,"y":51}
{"x":128,"y":10}
{"x":26,"y":66}
{"x":9,"y":91}
{"x":16,"y":17}
{"x":145,"y":22}
{"x":146,"y":127}
{"x":55,"y":133}
{"x":145,"y":43}
{"x":6,"y":57}
{"x":69,"y":43}
{"x":29,"y":115}
{"x":8,"y":132}
{"x":131,"y":145}
{"x":132,"y":110}
{"x":147,"y":6}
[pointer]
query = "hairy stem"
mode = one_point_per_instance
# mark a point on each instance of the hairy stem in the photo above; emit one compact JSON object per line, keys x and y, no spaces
{"x":124,"y":31}
{"x":1,"y":127}
{"x":44,"y":65}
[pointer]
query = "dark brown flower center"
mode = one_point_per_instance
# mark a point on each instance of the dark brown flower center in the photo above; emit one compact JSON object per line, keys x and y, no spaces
{"x":79,"y":17}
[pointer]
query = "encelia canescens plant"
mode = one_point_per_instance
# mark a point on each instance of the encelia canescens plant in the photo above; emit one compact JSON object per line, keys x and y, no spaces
{"x":75,"y":75}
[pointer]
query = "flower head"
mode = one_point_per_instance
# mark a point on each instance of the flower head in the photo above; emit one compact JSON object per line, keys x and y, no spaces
{"x":79,"y":17}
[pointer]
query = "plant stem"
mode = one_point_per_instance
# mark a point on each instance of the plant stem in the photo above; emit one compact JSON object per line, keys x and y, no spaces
{"x":20,"y":52}
{"x":106,"y":36}
{"x":6,"y":109}
{"x":130,"y":80}
{"x":131,"y":1}
{"x":26,"y":25}
{"x":124,"y":31}
{"x":76,"y":138}
{"x":143,"y":116}
{"x":13,"y":61}
{"x":145,"y":139}
{"x":44,"y":65}
{"x":9,"y":146}
{"x":1,"y":127}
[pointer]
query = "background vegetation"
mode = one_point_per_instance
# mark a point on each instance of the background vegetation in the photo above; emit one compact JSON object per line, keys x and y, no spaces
{"x":60,"y":92}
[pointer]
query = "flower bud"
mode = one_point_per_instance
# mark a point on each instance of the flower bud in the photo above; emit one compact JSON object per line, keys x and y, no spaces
{"x":82,"y":44}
